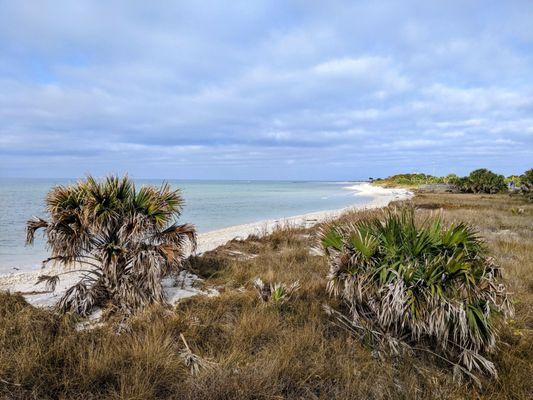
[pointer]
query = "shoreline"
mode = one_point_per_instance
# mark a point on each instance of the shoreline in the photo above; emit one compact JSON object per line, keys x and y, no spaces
{"x":381,"y":197}
{"x":24,"y":282}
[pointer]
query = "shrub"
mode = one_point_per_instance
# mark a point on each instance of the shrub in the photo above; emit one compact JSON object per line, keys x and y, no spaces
{"x":417,"y":286}
{"x":450,"y":179}
{"x":483,"y":181}
{"x":124,"y":238}
{"x":277,"y":293}
{"x":463,"y":184}
{"x":526,"y":184}
{"x":454,"y":179}
{"x":527,"y":178}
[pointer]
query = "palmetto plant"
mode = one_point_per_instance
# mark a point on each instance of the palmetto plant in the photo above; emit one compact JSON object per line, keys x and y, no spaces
{"x":123,"y":238}
{"x":277,"y":293}
{"x":417,"y":286}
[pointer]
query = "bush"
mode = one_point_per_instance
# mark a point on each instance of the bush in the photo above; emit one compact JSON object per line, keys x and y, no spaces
{"x":450,"y":179}
{"x":479,"y":181}
{"x":125,"y":239}
{"x":527,"y":178}
{"x":417,"y":286}
{"x":484,"y":181}
{"x":458,"y":181}
{"x":526,"y":184}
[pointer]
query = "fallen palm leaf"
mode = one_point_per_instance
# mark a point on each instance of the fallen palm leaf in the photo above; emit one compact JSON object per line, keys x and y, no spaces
{"x":192,"y":360}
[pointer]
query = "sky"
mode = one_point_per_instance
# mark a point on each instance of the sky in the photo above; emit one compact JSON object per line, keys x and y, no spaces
{"x":325,"y":90}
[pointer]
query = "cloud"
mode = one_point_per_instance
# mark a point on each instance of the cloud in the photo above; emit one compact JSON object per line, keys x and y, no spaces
{"x":264,"y":89}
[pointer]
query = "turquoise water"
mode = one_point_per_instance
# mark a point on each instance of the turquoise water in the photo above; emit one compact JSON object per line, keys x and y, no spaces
{"x":209,"y":205}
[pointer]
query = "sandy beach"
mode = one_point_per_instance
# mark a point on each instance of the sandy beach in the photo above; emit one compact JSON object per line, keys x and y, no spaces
{"x":184,"y":286}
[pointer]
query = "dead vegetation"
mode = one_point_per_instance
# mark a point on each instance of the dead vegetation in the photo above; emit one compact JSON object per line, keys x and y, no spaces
{"x":238,"y":348}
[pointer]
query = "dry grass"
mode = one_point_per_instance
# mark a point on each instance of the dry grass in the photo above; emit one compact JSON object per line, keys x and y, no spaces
{"x":254,"y":350}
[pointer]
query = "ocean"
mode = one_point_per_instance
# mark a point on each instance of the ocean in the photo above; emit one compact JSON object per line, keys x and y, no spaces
{"x":209,"y":205}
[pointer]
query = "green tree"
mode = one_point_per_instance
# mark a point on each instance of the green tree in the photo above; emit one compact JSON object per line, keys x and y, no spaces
{"x":485,"y":181}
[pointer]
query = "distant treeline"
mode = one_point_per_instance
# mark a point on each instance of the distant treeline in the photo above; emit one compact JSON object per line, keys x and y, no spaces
{"x":478,"y":181}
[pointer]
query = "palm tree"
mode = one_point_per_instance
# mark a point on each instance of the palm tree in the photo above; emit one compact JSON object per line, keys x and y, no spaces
{"x":124,"y":240}
{"x":417,"y":286}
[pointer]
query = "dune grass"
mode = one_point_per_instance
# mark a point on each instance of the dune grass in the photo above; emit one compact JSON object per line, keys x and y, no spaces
{"x":245,"y":348}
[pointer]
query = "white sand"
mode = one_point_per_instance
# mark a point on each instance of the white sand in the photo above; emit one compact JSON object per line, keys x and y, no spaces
{"x":24,"y":282}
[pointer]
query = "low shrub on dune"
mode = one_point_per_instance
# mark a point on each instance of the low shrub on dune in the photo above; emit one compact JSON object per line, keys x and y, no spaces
{"x":411,"y":285}
{"x":124,"y":238}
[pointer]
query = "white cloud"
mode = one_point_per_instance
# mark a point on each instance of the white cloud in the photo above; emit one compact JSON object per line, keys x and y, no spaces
{"x":250,"y":85}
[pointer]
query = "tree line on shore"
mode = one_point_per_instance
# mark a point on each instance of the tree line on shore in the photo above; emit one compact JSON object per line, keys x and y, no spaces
{"x":478,"y":181}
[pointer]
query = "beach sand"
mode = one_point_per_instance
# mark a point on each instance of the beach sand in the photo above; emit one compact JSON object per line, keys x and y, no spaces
{"x":186,"y":285}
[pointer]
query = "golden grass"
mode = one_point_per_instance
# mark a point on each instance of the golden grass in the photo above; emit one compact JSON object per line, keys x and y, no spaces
{"x":255,"y":350}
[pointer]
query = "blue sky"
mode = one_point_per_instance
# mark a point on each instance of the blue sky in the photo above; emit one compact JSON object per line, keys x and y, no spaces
{"x":265,"y":90}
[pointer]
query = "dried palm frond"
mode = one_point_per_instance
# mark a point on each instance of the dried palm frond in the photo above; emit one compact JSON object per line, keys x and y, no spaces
{"x":262,"y":290}
{"x":50,"y":281}
{"x":192,"y":360}
{"x":32,"y":226}
{"x":82,"y":297}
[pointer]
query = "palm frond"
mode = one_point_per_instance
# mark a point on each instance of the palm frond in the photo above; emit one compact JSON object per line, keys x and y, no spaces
{"x":32,"y":226}
{"x":192,"y":360}
{"x":50,"y":281}
{"x":82,"y":297}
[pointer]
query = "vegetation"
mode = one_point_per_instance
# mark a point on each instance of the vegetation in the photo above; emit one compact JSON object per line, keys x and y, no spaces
{"x":478,"y":181}
{"x":412,"y":180}
{"x":526,"y":184}
{"x":276,"y":293}
{"x":244,"y":348}
{"x":527,"y":178}
{"x":124,"y":238}
{"x":482,"y":181}
{"x":409,"y":285}
{"x":516,"y":180}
